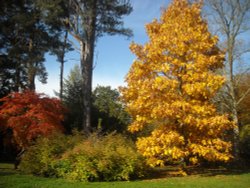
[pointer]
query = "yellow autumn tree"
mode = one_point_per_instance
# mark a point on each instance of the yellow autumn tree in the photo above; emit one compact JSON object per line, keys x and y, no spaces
{"x":170,"y":86}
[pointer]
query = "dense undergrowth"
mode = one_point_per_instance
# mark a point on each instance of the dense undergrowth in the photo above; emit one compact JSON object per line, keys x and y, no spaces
{"x":96,"y":157}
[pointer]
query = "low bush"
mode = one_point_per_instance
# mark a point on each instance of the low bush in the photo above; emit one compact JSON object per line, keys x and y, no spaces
{"x":106,"y":158}
{"x":40,"y":158}
{"x":245,"y":142}
{"x":109,"y":157}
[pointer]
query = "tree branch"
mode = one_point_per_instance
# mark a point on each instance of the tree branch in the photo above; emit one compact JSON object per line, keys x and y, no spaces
{"x":243,"y":96}
{"x":74,"y":45}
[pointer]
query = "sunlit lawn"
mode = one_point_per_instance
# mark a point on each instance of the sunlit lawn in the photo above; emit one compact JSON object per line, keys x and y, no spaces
{"x":10,"y":178}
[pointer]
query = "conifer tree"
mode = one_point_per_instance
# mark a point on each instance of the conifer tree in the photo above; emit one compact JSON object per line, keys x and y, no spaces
{"x":90,"y":19}
{"x":26,"y":34}
{"x":86,"y":21}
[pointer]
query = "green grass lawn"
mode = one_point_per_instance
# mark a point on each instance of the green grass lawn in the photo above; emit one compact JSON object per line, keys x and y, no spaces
{"x":10,"y":178}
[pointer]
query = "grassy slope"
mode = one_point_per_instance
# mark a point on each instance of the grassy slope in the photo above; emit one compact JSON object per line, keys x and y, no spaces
{"x":10,"y":178}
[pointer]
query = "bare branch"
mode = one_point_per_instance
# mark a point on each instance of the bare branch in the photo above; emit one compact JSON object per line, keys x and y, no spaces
{"x":239,"y":76}
{"x":243,"y":96}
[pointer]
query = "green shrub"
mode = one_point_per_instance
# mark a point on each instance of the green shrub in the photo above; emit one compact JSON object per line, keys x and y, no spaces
{"x":40,"y":158}
{"x":245,"y":142}
{"x":109,"y":158}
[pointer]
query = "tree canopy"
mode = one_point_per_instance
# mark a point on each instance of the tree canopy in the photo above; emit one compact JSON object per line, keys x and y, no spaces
{"x":108,"y":112}
{"x":29,"y":115}
{"x":27,"y":33}
{"x":89,"y":20}
{"x":170,"y":87}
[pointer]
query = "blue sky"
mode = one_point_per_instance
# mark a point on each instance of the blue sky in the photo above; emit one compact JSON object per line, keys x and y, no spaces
{"x":112,"y":55}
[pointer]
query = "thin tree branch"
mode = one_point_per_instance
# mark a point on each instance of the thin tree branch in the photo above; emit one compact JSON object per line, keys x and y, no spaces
{"x":243,"y":96}
{"x":74,"y":45}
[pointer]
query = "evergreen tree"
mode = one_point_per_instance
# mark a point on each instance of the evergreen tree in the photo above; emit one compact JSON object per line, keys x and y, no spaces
{"x":6,"y":76}
{"x":109,"y":112}
{"x":25,"y":37}
{"x":85,"y":20}
{"x":12,"y":46}
{"x":57,"y":15}
{"x":90,"y":19}
{"x":72,"y":99}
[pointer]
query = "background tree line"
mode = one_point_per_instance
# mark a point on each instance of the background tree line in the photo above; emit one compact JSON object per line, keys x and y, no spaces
{"x":30,"y":29}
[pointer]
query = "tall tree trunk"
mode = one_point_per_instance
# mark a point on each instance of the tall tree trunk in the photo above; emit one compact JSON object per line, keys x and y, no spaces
{"x":31,"y":76}
{"x":232,"y":17}
{"x":31,"y":69}
{"x":61,"y":80}
{"x":231,"y":44}
{"x":62,"y":55}
{"x":88,"y":21}
{"x":86,"y":69}
{"x":87,"y":57}
{"x":17,"y":77}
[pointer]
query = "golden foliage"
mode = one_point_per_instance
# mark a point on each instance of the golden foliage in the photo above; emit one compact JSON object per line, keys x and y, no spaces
{"x":170,"y":86}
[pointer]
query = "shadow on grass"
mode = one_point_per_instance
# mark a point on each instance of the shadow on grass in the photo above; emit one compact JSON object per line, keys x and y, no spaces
{"x":7,"y":169}
{"x":7,"y":173}
{"x":177,"y":171}
{"x":217,"y":171}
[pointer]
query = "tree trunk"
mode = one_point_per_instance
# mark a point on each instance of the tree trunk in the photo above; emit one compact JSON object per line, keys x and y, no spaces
{"x":31,"y":76}
{"x":31,"y":69}
{"x":61,"y":79}
{"x":62,"y":55}
{"x":230,"y":45}
{"x":87,"y":56}
{"x":236,"y":120}
{"x":18,"y":158}
{"x":86,"y":69}
{"x":17,"y":78}
{"x":232,"y":18}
